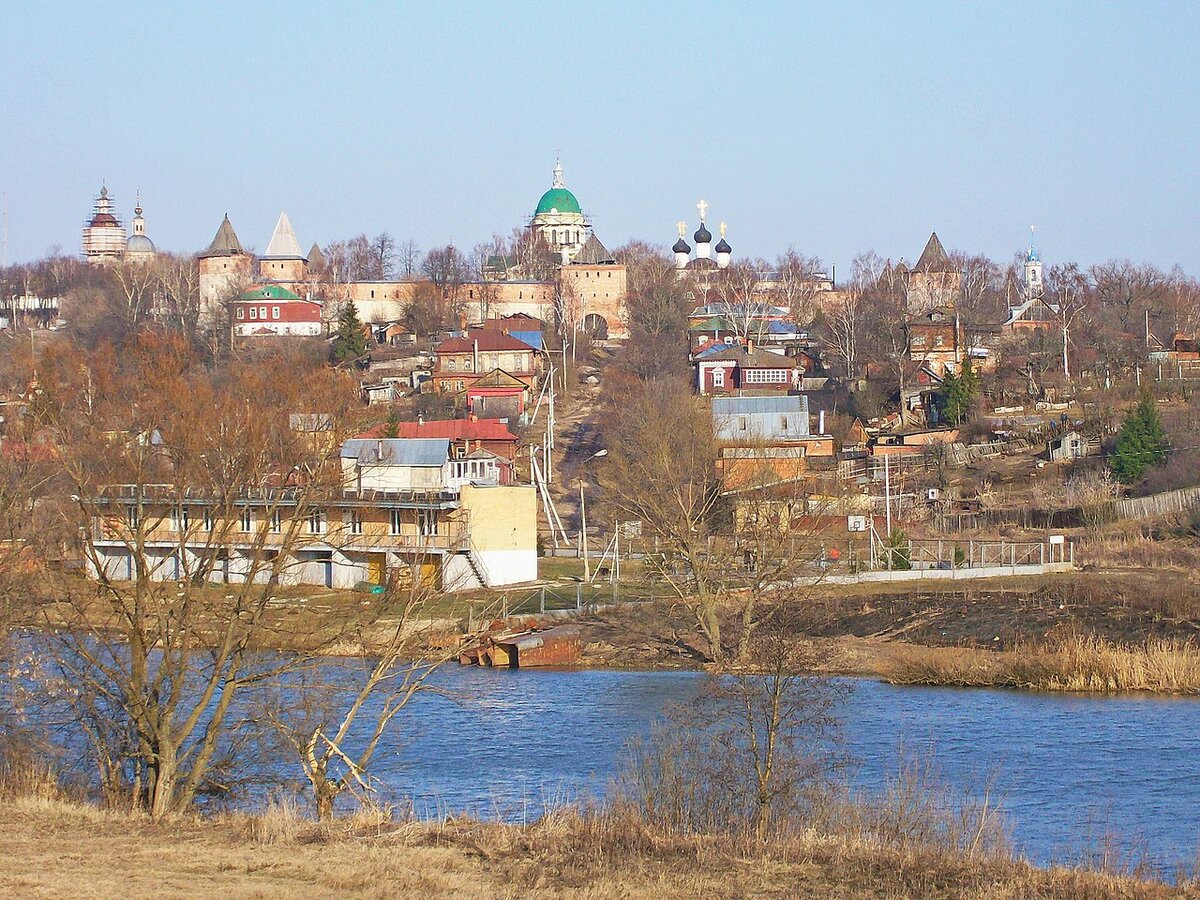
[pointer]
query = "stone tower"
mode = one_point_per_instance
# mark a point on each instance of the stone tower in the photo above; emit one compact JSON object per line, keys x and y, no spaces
{"x":225,"y":271}
{"x":283,"y":261}
{"x":934,"y":281}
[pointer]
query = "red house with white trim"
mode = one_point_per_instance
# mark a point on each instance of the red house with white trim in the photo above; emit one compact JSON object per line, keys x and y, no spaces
{"x":270,"y":310}
{"x":747,"y":368}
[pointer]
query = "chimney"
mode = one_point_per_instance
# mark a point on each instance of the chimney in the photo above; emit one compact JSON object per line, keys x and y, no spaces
{"x":749,"y":345}
{"x":473,"y":418}
{"x":821,"y":422}
{"x":379,"y":450}
{"x":420,"y":421}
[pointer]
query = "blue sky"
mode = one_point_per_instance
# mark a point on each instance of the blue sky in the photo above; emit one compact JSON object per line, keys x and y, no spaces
{"x":830,"y":127}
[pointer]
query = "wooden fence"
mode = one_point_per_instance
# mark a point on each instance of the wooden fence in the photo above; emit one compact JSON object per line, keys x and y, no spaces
{"x":1157,"y":504}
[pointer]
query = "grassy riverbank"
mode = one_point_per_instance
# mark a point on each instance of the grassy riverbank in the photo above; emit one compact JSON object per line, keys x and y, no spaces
{"x":1078,"y":664}
{"x":52,"y":847}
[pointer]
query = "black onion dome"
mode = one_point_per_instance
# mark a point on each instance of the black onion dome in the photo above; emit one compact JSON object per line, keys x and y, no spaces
{"x":703,"y":235}
{"x":681,"y":246}
{"x":723,"y":247}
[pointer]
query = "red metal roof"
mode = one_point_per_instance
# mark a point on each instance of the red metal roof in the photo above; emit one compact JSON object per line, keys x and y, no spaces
{"x":454,"y":429}
{"x":488,"y":341}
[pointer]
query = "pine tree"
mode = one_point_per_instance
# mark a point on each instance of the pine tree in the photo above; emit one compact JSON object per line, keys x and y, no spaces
{"x":391,"y":428}
{"x":349,"y":342}
{"x":1141,"y":443}
{"x":959,"y":392}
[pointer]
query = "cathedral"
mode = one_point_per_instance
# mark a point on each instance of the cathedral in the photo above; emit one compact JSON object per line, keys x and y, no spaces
{"x":104,"y":239}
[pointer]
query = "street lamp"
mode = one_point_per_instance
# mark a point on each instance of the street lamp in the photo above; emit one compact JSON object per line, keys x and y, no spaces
{"x":587,"y":569}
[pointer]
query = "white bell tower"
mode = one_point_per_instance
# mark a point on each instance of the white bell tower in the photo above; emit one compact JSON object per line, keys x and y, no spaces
{"x":1033,"y":270}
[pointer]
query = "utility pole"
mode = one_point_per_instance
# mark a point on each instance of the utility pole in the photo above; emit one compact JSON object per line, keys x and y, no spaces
{"x":887,"y":493}
{"x":583,"y":540}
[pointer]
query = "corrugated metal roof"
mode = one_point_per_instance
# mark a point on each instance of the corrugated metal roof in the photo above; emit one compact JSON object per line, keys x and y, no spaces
{"x":398,"y":451}
{"x":746,"y":406}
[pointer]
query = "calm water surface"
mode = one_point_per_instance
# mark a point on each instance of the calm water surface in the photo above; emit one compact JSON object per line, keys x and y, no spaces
{"x":1069,"y":768}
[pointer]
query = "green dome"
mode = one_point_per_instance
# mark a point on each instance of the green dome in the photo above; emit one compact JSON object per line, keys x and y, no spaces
{"x":558,"y":200}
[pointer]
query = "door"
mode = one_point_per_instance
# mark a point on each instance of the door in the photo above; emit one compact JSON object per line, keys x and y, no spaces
{"x":376,"y":568}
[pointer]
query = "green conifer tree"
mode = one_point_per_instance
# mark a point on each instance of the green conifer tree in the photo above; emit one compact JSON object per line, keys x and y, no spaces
{"x":349,"y":341}
{"x":391,"y":428}
{"x":1141,"y":442}
{"x":959,"y":393}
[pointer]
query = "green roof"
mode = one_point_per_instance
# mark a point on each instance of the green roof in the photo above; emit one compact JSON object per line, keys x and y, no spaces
{"x":269,"y":292}
{"x":558,"y":200}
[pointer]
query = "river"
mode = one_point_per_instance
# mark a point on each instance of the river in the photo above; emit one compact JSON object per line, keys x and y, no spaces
{"x":1068,"y":768}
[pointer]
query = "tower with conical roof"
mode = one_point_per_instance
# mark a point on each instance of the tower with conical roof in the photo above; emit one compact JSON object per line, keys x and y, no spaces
{"x":934,"y":281}
{"x":103,"y":233}
{"x":558,"y":219}
{"x":284,"y":261}
{"x":225,"y":270}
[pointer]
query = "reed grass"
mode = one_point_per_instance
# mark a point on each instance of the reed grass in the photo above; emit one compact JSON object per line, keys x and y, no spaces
{"x":1080,"y":663}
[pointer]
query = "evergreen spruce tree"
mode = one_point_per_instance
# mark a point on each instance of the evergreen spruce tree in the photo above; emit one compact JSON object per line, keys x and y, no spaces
{"x":349,"y":341}
{"x":959,"y":392}
{"x":1141,"y":443}
{"x":391,"y":428}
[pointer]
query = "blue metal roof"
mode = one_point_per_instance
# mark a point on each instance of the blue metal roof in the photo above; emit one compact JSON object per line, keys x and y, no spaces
{"x":398,"y":451}
{"x":748,"y":406}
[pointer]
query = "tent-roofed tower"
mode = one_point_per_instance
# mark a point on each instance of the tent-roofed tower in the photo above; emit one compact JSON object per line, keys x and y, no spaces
{"x":935,"y":281}
{"x":284,"y":260}
{"x":559,"y":220}
{"x":103,"y":234}
{"x":225,"y":270}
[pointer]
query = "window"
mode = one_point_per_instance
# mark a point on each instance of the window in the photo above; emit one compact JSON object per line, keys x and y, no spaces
{"x":743,"y":424}
{"x":316,"y":522}
{"x":395,"y":521}
{"x":450,"y":365}
{"x":274,"y":312}
{"x":131,"y":515}
{"x":356,"y":521}
{"x":241,"y":313}
{"x":262,"y":312}
{"x":276,"y":522}
{"x":185,"y":518}
{"x":254,"y":312}
{"x":783,"y":423}
{"x":246,"y":520}
{"x":718,"y":377}
{"x":208,"y":519}
{"x":764,"y":376}
{"x":427,"y":522}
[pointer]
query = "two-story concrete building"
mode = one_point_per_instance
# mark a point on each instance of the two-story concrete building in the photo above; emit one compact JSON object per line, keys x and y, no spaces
{"x":406,"y":511}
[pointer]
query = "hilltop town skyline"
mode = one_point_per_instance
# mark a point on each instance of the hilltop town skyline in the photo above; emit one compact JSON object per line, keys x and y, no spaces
{"x":836,"y":140}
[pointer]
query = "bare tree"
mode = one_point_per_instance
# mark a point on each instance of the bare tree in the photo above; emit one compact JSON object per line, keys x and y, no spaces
{"x":842,"y":318}
{"x":756,"y":751}
{"x":799,"y":279}
{"x":168,"y":469}
{"x":383,"y":257}
{"x":346,"y":707}
{"x":737,"y":294}
{"x":409,"y":254}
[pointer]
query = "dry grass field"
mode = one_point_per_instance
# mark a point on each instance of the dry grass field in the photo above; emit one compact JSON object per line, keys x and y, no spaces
{"x":55,"y":848}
